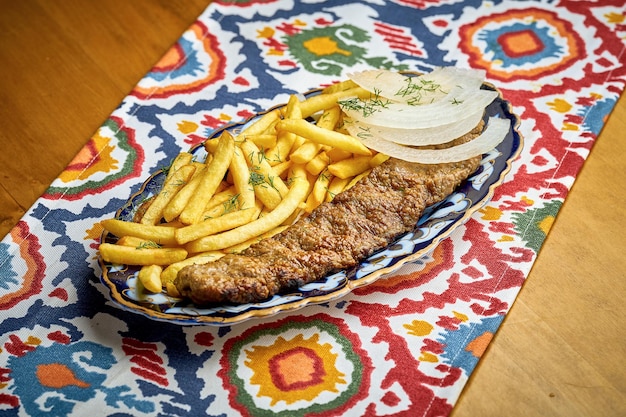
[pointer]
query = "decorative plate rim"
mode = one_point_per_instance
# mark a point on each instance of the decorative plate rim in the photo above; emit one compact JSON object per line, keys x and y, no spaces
{"x":289,"y":306}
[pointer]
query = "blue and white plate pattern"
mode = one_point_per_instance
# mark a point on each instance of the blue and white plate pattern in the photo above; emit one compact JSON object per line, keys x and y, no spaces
{"x":436,"y":223}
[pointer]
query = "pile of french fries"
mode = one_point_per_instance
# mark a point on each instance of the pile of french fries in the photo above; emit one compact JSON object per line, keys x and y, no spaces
{"x":251,"y":186}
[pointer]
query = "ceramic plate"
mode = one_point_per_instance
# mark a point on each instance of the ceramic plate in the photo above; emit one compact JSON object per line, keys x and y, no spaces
{"x":437,"y":223}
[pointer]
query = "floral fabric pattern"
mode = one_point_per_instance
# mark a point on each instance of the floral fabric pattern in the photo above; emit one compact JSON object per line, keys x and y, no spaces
{"x":404,"y":345}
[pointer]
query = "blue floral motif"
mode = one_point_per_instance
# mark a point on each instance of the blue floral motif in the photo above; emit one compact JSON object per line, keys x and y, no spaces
{"x":456,"y":353}
{"x":549,"y":47}
{"x":7,"y":276}
{"x":190,"y":65}
{"x":79,"y":380}
{"x":595,"y":115}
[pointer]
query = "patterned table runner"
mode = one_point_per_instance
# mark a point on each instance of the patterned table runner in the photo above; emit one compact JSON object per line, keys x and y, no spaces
{"x":404,"y":345}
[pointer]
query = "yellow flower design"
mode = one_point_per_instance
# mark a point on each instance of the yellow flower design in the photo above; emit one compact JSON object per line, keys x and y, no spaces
{"x":293,"y":370}
{"x":94,"y":157}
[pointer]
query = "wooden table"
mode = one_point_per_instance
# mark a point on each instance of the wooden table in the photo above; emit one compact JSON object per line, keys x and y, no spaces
{"x":561,"y":350}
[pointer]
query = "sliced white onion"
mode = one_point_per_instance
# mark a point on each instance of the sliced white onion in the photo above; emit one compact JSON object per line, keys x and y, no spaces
{"x":417,"y":90}
{"x":494,"y":133}
{"x":429,"y":109}
{"x":384,"y":83}
{"x":439,"y":113}
{"x":419,"y":137}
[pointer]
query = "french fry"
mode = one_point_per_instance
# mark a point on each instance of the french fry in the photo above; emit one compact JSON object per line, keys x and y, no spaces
{"x":305,"y":153}
{"x":309,"y":149}
{"x":135,"y":242}
{"x":296,"y":144}
{"x":285,"y":139}
{"x":336,"y":154}
{"x":179,"y":201}
{"x":340,"y":86}
{"x":273,"y":219}
{"x":226,"y":206}
{"x":284,"y":142}
{"x":118,"y":254}
{"x":318,"y":194}
{"x":299,"y":172}
{"x":268,"y":186}
{"x":182,"y":159}
{"x":323,"y":136}
{"x":350,"y":167}
{"x":260,"y":125}
{"x":199,"y":165}
{"x":336,"y":186}
{"x":318,"y":164}
{"x":150,"y":277}
{"x":321,"y":102}
{"x":171,"y":290}
{"x":282,"y":168}
{"x":173,"y":223}
{"x":210,"y":180}
{"x":266,"y":190}
{"x":264,"y":141}
{"x":356,"y":179}
{"x":161,"y":235}
{"x":247,"y":211}
{"x":330,"y":118}
{"x":241,"y":179}
{"x":173,"y":183}
{"x":245,"y":245}
{"x":378,"y":159}
{"x":216,"y":204}
{"x":292,"y":109}
{"x":210,"y":146}
{"x":169,"y":273}
{"x":216,"y":225}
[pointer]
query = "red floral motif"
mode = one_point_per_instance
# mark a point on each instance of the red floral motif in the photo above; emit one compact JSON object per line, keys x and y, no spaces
{"x":30,"y":279}
{"x":60,"y":293}
{"x":15,"y":346}
{"x":204,"y":339}
{"x":145,"y":356}
{"x":59,"y":337}
{"x":175,"y":60}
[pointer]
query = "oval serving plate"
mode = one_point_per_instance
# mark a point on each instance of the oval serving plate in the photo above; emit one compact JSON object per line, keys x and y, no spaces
{"x":436,"y":223}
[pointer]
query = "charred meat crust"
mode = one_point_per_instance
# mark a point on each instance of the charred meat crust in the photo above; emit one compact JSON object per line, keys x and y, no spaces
{"x":337,"y":235}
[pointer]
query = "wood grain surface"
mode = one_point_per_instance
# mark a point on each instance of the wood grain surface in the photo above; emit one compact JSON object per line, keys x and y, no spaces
{"x":561,"y":351}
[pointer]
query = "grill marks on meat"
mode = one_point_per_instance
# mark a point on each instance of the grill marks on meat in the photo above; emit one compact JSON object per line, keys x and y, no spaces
{"x":337,"y":235}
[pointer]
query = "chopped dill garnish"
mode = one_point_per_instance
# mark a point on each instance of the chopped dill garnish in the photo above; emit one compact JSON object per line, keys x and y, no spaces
{"x":324,"y":176}
{"x":270,"y":181}
{"x":231,"y":204}
{"x":179,"y":183}
{"x":366,"y":107}
{"x":166,"y":169}
{"x":415,"y":90}
{"x":290,"y":181}
{"x":149,"y":245}
{"x":256,"y":178}
{"x":261,"y":155}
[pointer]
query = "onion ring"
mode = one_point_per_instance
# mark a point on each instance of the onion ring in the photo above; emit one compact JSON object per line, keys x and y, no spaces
{"x":419,"y":137}
{"x":416,"y":90}
{"x":494,"y":133}
{"x":400,"y":115}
